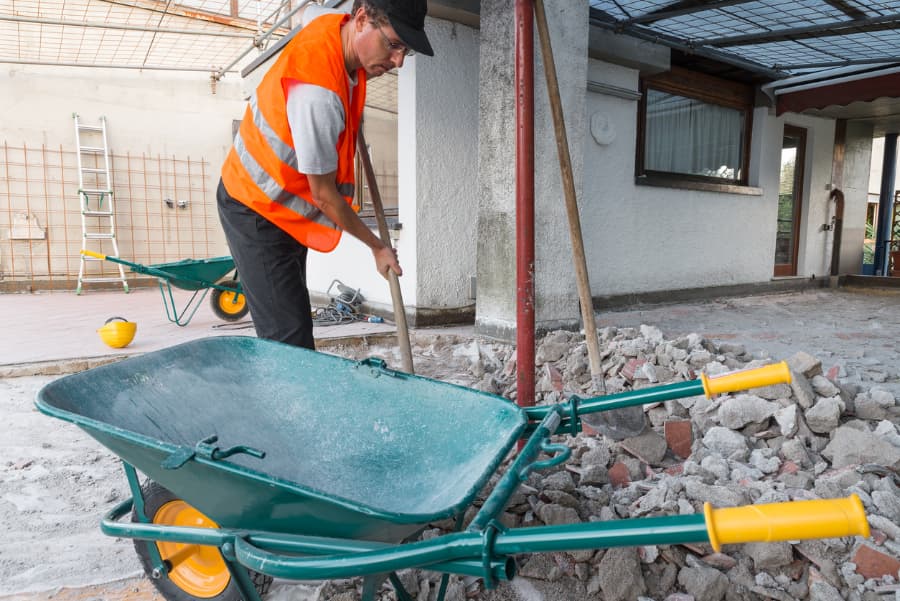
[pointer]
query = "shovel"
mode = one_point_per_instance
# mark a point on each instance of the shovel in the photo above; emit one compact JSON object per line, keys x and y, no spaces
{"x":618,"y":424}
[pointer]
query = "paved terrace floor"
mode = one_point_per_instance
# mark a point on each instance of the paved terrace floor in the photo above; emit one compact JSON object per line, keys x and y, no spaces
{"x":858,"y":330}
{"x":62,"y":326}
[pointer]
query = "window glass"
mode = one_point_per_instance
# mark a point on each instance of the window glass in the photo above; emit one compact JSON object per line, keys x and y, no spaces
{"x":688,"y":136}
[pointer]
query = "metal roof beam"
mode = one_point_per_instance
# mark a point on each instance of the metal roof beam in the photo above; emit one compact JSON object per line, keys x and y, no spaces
{"x":810,"y":31}
{"x":846,"y":8}
{"x":845,"y":63}
{"x":12,"y":61}
{"x":182,"y":11}
{"x":677,"y":9}
{"x":220,"y":34}
{"x":599,"y":18}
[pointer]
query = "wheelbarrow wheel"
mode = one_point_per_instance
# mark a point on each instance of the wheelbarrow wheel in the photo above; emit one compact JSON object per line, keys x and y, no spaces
{"x":194,"y":571}
{"x":227,"y":304}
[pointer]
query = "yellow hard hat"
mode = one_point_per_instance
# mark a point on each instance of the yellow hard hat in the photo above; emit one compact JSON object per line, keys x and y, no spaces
{"x":117,"y":332}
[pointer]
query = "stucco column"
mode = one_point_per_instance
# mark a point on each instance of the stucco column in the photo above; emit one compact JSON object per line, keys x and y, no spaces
{"x":857,"y":164}
{"x":556,"y":292}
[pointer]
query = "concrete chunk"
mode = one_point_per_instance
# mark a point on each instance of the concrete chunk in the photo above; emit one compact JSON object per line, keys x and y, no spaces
{"x":719,"y":496}
{"x":620,"y":575}
{"x":769,"y":555}
{"x":850,"y":446}
{"x":824,"y":387}
{"x":802,"y":389}
{"x":873,"y":404}
{"x":725,"y":442}
{"x":787,"y":420}
{"x":555,"y":515}
{"x":888,"y":504}
{"x":649,"y":447}
{"x":737,"y":412}
{"x":805,"y":364}
{"x":704,"y":584}
{"x":825,"y":415}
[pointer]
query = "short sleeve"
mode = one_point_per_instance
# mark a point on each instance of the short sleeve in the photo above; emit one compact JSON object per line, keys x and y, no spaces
{"x":316,"y":118}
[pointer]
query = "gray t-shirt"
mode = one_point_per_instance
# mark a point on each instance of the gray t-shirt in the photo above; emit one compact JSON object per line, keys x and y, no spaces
{"x":316,"y":117}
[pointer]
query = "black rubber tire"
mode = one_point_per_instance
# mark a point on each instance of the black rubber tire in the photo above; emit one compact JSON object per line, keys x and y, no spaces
{"x":155,"y":496}
{"x":216,"y":301}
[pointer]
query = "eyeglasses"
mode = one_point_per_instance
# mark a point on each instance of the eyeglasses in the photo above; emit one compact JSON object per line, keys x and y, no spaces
{"x":395,"y":46}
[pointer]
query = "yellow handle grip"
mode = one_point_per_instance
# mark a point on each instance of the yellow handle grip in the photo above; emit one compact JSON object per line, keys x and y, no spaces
{"x":90,"y":253}
{"x":824,"y":518}
{"x":778,"y":373}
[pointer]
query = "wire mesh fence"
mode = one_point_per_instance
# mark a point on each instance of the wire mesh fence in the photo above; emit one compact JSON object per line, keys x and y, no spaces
{"x":163,"y":212}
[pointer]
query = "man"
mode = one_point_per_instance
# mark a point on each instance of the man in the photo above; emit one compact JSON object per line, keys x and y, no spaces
{"x":287,"y":183}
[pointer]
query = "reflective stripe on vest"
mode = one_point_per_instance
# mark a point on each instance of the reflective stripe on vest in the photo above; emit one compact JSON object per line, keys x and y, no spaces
{"x":284,"y":152}
{"x":273,"y":191}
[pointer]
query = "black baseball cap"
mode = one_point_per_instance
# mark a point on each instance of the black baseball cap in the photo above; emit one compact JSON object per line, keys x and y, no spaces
{"x":407,"y":17}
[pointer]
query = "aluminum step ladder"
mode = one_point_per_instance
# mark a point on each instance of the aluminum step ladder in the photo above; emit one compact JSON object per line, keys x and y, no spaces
{"x":95,"y":197}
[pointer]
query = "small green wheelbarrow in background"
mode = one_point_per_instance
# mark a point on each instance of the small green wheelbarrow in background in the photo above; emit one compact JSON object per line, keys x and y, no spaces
{"x":198,"y":275}
{"x":329,"y":468}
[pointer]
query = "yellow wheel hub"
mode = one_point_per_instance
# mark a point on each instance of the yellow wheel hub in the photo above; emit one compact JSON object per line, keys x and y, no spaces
{"x":198,"y":570}
{"x":232,"y":303}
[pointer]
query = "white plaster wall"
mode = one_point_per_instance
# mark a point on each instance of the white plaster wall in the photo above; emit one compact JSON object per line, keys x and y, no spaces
{"x":858,"y":160}
{"x":155,"y":113}
{"x":556,"y":288}
{"x":496,"y":248}
{"x":556,"y":297}
{"x":643,"y":239}
{"x":437,"y":138}
{"x":446,"y":189}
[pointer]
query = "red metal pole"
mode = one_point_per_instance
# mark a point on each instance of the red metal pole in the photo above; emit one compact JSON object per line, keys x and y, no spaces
{"x":524,"y":14}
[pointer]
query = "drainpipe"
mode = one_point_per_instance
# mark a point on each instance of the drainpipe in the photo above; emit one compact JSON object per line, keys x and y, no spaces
{"x":524,"y":43}
{"x":837,"y":225}
{"x":832,"y":265}
{"x":885,"y":203}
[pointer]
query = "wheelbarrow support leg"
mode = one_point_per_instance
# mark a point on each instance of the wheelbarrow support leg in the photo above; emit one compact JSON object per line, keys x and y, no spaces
{"x":371,"y":585}
{"x":137,"y":495}
{"x":189,"y":309}
{"x":240,"y":575}
{"x":399,"y":589}
{"x":445,"y":578}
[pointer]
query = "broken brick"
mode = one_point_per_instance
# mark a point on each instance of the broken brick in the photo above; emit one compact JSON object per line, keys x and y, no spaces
{"x":554,"y":376}
{"x":679,"y":437}
{"x":619,"y":476}
{"x":875,"y":564}
{"x":789,"y":467}
{"x":631,"y":368}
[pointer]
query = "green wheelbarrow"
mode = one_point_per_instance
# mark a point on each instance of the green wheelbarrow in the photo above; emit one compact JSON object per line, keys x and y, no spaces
{"x":198,"y":276}
{"x":265,"y":460}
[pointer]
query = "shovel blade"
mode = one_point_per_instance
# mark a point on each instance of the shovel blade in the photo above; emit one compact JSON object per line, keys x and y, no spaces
{"x":618,"y":424}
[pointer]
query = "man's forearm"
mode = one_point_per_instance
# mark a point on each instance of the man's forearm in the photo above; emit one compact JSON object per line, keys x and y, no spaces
{"x":333,"y":205}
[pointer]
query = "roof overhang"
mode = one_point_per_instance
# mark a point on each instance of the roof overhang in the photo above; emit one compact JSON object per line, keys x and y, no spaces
{"x":859,"y":94}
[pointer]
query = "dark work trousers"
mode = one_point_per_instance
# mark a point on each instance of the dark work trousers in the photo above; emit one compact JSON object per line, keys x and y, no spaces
{"x":272,"y":269}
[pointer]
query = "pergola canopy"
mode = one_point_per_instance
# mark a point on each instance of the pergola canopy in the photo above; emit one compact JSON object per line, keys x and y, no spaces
{"x":761,"y":41}
{"x":770,"y":37}
{"x":190,"y":35}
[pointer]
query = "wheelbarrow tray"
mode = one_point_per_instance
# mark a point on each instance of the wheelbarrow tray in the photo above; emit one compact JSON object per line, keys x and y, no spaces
{"x":193,"y":274}
{"x":352,"y":449}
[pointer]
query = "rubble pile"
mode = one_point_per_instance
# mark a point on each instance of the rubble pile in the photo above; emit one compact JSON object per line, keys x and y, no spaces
{"x":819,"y":437}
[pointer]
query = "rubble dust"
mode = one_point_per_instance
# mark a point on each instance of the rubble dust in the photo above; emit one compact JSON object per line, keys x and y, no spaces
{"x":821,"y":436}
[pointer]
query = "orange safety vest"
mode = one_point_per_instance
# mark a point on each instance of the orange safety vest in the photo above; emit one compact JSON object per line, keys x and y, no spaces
{"x":261,"y":168}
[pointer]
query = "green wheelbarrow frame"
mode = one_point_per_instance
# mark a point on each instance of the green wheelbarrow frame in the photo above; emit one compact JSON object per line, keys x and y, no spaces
{"x":195,"y":275}
{"x":334,"y":465}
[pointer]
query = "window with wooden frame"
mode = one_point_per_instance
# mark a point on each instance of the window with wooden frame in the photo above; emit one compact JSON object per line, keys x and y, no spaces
{"x":694,"y":128}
